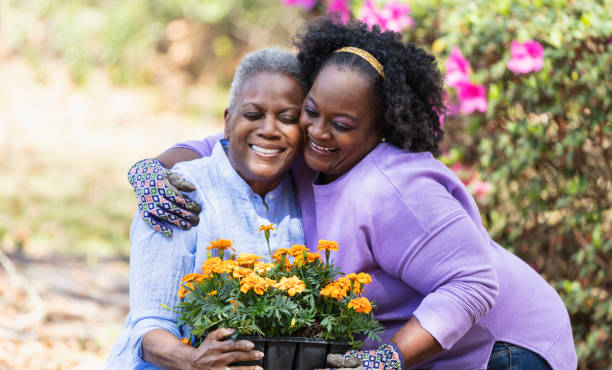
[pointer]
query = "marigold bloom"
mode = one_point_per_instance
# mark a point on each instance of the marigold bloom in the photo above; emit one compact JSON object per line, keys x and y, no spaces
{"x":327,"y":245}
{"x":361,"y":278}
{"x":297,"y":250}
{"x":312,"y":257}
{"x":361,"y":304}
{"x":255,"y":282}
{"x":291,"y":284}
{"x":229,"y":266}
{"x":189,"y":277}
{"x":331,"y":290}
{"x":247,"y":259}
{"x":241,"y":272}
{"x":343,"y":283}
{"x":279,"y":253}
{"x":266,"y":227}
{"x":221,"y":244}
{"x":263,"y":268}
{"x":186,"y":341}
{"x":183,"y":291}
{"x":214,"y":264}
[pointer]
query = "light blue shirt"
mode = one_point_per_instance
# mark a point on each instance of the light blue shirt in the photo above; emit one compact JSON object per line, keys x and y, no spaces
{"x":231,"y":210}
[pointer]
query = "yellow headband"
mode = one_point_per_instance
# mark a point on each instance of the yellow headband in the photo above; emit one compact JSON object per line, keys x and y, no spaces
{"x":366,"y":56}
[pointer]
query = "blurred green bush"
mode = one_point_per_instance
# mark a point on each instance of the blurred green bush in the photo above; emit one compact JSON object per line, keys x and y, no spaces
{"x":544,"y":143}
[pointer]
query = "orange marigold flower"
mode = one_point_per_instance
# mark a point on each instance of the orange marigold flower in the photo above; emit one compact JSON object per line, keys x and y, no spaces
{"x":291,"y":284}
{"x":327,"y":245}
{"x":361,"y":304}
{"x":263,"y":268}
{"x":201,"y":277}
{"x":343,"y":283}
{"x":361,"y":278}
{"x":297,"y":250}
{"x":255,"y":282}
{"x":279,"y":253}
{"x":189,"y":277}
{"x":247,"y":259}
{"x":266,"y":227}
{"x":183,"y":291}
{"x":214,"y":292}
{"x":241,"y":272}
{"x":312,"y":257}
{"x":221,"y":244}
{"x":229,"y":266}
{"x":186,"y":341}
{"x":213,"y":264}
{"x":332,"y":291}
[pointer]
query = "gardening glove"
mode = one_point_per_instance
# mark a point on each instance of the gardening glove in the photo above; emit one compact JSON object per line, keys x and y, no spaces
{"x":159,"y":197}
{"x":386,"y":356}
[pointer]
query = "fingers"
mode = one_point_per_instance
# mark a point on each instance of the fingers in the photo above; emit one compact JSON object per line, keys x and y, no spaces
{"x":240,"y":356}
{"x":180,"y":183}
{"x":245,"y":368}
{"x":219,"y":335}
{"x":174,"y":194}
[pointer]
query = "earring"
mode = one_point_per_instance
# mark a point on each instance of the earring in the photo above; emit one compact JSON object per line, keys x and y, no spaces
{"x":383,"y":139}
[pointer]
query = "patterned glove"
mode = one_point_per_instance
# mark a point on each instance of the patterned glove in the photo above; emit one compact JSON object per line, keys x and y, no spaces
{"x":386,"y":356}
{"x":159,"y":197}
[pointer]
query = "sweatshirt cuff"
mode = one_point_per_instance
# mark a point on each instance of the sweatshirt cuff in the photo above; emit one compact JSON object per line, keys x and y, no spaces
{"x":443,"y":318}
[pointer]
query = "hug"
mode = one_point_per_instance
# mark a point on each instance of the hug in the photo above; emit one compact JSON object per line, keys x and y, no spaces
{"x":338,"y":142}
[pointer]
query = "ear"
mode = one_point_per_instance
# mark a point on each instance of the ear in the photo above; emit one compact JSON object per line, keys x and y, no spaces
{"x":226,"y":117}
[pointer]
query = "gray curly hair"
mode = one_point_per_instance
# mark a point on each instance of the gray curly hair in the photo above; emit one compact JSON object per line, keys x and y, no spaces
{"x":272,"y":59}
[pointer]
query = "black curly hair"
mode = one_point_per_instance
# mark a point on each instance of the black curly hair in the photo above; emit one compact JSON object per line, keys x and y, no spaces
{"x":412,"y":90}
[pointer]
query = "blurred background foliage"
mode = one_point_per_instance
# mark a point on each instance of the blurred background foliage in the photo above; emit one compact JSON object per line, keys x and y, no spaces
{"x":542,"y":146}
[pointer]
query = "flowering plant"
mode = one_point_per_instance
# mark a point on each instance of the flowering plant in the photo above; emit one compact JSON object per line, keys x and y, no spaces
{"x":295,"y":295}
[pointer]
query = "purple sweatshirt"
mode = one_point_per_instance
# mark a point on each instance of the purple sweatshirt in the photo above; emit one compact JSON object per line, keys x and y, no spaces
{"x":410,"y":223}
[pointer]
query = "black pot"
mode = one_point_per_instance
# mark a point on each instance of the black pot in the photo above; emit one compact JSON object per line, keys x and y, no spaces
{"x":297,"y":353}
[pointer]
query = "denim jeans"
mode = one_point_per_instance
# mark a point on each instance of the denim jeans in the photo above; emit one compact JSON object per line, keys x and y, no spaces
{"x":507,"y":356}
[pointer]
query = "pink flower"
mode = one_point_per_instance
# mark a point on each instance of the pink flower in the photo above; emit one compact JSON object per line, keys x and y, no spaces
{"x":340,"y":9}
{"x":480,"y":188}
{"x":471,"y":98}
{"x":457,"y":68}
{"x":525,"y":57}
{"x":306,"y":4}
{"x":394,"y":17}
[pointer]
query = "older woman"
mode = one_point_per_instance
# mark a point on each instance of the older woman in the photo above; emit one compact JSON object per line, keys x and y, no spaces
{"x":448,"y":295}
{"x":246,"y":172}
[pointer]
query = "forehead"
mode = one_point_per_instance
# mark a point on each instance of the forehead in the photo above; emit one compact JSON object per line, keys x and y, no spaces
{"x":342,"y":87}
{"x":271,"y":88}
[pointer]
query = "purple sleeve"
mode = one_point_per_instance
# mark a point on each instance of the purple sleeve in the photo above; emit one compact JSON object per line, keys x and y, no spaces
{"x":447,"y":261}
{"x":202,"y":147}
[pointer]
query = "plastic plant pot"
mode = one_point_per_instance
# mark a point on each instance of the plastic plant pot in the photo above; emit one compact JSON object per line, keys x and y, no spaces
{"x":297,"y":353}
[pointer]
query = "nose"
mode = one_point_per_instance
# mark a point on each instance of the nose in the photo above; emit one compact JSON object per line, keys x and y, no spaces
{"x":269,"y":127}
{"x":318,"y":130}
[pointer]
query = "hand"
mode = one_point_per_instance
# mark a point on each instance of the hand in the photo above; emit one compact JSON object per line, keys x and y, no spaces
{"x":216,"y":354}
{"x":386,"y":356}
{"x":159,"y":197}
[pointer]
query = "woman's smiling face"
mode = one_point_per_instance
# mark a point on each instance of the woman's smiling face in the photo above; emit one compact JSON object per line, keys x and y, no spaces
{"x":263,"y":129}
{"x":339,"y":121}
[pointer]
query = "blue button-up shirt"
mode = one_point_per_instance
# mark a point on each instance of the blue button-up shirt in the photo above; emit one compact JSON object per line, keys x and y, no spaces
{"x":231,"y":210}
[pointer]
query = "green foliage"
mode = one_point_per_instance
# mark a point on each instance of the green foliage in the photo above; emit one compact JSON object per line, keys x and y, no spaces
{"x":544,"y":142}
{"x":257,"y":299}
